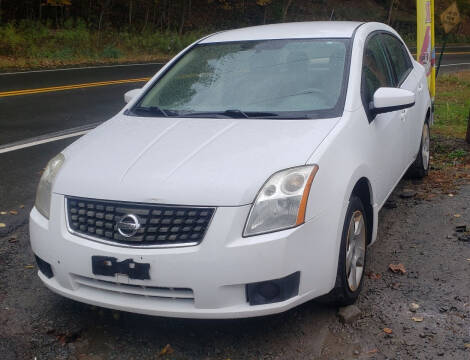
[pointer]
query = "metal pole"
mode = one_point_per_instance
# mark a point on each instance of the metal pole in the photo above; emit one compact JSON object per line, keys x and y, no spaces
{"x":442,"y":53}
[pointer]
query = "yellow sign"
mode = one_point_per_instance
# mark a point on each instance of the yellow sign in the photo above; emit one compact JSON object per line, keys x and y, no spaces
{"x":426,"y":54}
{"x":450,"y":18}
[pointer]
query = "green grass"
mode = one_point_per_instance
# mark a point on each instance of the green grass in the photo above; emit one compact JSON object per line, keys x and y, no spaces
{"x":452,"y":104}
{"x":32,"y":44}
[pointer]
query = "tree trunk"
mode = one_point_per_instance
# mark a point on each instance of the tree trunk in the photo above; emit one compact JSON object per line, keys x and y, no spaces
{"x":390,"y":12}
{"x":467,"y":137}
{"x":285,"y":8}
{"x":130,"y":12}
{"x":147,"y":15}
{"x":183,"y":13}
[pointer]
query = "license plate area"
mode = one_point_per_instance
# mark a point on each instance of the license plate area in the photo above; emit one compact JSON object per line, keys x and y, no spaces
{"x":110,"y":266}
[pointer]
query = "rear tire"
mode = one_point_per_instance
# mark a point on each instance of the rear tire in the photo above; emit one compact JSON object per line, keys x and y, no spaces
{"x":352,"y":255}
{"x":419,"y":169}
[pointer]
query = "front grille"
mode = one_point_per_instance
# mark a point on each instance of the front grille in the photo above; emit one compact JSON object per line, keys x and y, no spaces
{"x":159,"y":224}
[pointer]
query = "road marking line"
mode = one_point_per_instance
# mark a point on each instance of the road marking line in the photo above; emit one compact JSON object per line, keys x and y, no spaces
{"x":69,"y":87}
{"x":47,"y":138}
{"x":80,"y":68}
{"x":444,"y":65}
{"x":43,"y":141}
{"x":448,"y":53}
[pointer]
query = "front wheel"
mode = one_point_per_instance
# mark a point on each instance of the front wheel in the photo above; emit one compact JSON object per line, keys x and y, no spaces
{"x":352,"y":255}
{"x":420,"y":167}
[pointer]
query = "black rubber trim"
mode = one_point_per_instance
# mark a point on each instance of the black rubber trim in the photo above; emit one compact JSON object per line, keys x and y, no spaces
{"x":376,"y":111}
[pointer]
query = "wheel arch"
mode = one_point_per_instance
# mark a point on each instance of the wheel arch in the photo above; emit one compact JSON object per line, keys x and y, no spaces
{"x":363,"y":190}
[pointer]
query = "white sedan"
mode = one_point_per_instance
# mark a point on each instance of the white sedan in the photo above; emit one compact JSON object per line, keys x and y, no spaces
{"x":243,"y":179}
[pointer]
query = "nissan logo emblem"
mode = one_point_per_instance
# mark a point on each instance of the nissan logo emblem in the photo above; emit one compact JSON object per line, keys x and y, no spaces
{"x":128,"y":225}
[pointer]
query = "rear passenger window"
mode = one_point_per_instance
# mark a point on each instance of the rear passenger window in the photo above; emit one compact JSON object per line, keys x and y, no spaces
{"x":399,"y":57}
{"x":375,"y":72}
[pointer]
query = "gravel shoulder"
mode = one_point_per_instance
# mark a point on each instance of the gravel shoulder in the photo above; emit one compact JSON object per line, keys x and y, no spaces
{"x":417,"y":231}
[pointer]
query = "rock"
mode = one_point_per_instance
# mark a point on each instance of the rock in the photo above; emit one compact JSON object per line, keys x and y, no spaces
{"x":349,"y":314}
{"x":464,"y":238}
{"x":413,"y":307}
{"x":407,"y":194}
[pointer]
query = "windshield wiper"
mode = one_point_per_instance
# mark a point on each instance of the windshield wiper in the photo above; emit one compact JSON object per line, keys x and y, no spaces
{"x":150,"y":110}
{"x":232,"y":113}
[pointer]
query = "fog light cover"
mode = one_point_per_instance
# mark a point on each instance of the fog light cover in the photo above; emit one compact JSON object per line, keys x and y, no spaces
{"x":272,"y":291}
{"x":44,"y":267}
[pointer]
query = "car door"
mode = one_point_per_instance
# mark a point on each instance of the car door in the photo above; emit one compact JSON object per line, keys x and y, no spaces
{"x":405,"y":78}
{"x":387,"y":133}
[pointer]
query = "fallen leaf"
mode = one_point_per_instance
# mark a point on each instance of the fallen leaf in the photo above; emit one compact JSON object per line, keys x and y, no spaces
{"x":467,"y":345}
{"x":166,"y":350}
{"x":12,"y":239}
{"x":417,"y":319}
{"x":468,"y":259}
{"x":373,"y":351}
{"x":397,"y":268}
{"x":13,"y":212}
{"x":3,"y":212}
{"x":375,"y":276}
{"x":451,"y":195}
{"x":388,"y":330}
{"x":29,"y":267}
{"x":2,"y":225}
{"x":457,"y":215}
{"x":21,"y":206}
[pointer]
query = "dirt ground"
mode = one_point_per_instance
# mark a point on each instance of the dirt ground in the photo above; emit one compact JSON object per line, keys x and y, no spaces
{"x":417,"y":229}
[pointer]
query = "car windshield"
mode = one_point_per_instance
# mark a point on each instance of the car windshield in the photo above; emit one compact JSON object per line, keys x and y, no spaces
{"x":293,"y":78}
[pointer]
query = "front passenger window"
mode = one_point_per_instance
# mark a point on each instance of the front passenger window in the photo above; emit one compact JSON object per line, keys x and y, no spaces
{"x":375,"y":72}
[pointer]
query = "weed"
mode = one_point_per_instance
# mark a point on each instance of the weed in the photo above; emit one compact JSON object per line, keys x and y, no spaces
{"x":457,"y":154}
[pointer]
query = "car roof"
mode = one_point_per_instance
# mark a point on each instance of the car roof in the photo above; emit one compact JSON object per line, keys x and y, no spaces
{"x":296,"y":30}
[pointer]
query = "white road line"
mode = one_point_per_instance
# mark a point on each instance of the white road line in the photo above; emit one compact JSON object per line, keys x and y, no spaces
{"x":445,"y":65}
{"x":42,"y":141}
{"x":79,"y":68}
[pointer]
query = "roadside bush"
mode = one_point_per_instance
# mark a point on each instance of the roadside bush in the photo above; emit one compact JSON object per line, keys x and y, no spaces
{"x":36,"y":43}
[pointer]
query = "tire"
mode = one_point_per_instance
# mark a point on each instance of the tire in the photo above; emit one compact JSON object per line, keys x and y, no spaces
{"x":348,"y":287}
{"x":420,"y":167}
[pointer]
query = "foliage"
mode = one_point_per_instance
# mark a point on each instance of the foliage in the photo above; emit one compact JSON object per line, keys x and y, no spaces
{"x":452,"y":104}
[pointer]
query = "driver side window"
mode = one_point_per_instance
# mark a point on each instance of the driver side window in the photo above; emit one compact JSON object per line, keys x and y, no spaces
{"x":375,"y":71}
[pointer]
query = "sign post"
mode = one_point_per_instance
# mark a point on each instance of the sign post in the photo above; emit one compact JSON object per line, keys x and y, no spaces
{"x":449,"y":20}
{"x":426,"y":54}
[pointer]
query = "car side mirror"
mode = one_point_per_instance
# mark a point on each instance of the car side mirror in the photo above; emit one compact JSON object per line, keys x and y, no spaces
{"x":387,"y":99}
{"x":128,"y":96}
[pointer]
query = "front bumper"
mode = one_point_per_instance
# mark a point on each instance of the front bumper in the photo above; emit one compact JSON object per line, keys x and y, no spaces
{"x":204,"y":281}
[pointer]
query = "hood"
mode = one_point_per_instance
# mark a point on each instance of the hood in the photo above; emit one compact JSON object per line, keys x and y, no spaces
{"x":190,"y":161}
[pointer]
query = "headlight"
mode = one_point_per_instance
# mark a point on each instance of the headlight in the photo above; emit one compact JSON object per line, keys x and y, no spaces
{"x":43,"y":194}
{"x":281,"y":202}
